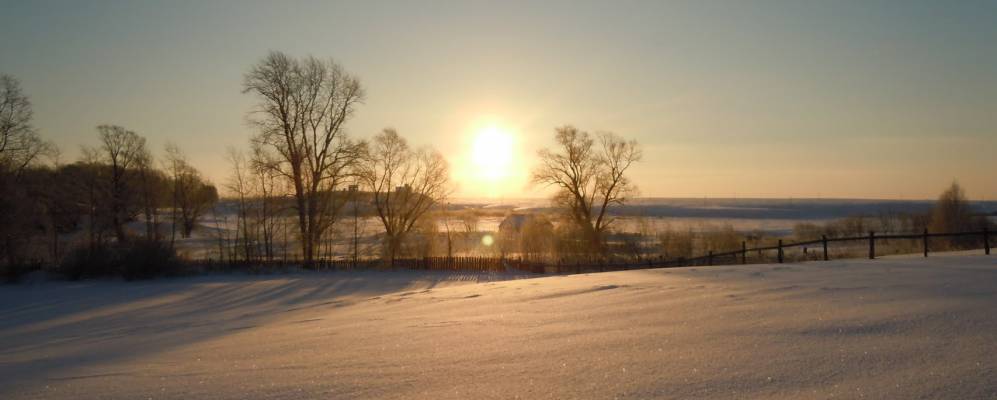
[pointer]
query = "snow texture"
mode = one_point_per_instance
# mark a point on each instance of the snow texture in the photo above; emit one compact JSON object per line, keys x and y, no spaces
{"x":900,"y":328}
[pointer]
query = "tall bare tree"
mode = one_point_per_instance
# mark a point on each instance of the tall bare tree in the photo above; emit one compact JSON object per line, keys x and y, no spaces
{"x":590,"y":177}
{"x":20,"y":144}
{"x":303,"y":106}
{"x":122,"y":150}
{"x":404,"y":184}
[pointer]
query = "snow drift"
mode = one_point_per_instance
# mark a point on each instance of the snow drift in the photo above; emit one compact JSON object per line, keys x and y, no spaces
{"x":889,"y":328}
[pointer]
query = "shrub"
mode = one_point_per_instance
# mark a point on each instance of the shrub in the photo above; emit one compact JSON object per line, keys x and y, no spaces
{"x":149,"y":259}
{"x":952,"y":213}
{"x":133,"y":260}
{"x":676,"y":244}
{"x":88,"y":262}
{"x":12,"y":273}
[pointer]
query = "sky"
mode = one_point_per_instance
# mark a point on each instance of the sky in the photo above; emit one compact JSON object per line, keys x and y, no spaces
{"x":846,"y":99}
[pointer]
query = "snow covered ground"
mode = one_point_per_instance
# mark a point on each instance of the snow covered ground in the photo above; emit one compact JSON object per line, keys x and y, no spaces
{"x":901,"y":328}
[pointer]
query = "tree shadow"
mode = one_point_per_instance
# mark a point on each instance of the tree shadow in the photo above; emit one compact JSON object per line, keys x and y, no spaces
{"x":52,"y":329}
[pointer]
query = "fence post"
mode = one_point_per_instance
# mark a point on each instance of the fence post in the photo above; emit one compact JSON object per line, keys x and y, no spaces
{"x":986,"y":239}
{"x":780,"y":251}
{"x":709,"y":258}
{"x":925,"y":241}
{"x":823,"y":240}
{"x":872,"y":245}
{"x":744,"y":252}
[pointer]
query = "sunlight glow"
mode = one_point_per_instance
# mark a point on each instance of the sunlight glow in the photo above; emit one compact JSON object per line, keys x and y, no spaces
{"x":492,"y":153}
{"x":492,"y":158}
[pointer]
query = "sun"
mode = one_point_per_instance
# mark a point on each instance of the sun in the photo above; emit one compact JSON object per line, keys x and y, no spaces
{"x":492,"y":153}
{"x":490,"y":163}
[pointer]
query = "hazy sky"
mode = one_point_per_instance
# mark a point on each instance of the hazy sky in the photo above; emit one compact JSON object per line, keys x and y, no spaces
{"x":746,"y":99}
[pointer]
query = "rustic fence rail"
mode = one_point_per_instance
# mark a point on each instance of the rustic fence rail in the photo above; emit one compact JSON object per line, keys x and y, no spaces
{"x":498,"y":264}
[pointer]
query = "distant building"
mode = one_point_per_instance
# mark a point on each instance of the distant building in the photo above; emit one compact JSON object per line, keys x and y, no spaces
{"x":527,"y":235}
{"x":514,"y":223}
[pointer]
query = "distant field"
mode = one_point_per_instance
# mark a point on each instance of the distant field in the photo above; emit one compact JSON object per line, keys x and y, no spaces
{"x":771,"y":216}
{"x":897,"y":328}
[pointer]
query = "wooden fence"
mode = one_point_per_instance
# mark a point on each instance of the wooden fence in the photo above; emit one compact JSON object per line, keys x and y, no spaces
{"x":741,"y":255}
{"x":496,"y":264}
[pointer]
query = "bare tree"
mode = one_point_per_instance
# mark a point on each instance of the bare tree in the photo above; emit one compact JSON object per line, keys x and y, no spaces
{"x":123,"y":150}
{"x":304,"y":104}
{"x":469,"y":220}
{"x":173,"y":164}
{"x":404,"y":184}
{"x":446,"y":217}
{"x":192,"y":194}
{"x":152,"y":185}
{"x":953,"y":213}
{"x":20,"y":144}
{"x":91,"y":179}
{"x":266,"y":177}
{"x":590,"y":177}
{"x":241,"y":184}
{"x":20,"y":147}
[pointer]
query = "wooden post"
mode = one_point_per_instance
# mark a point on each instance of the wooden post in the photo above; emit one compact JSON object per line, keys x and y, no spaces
{"x":709,"y":258}
{"x":986,"y":239}
{"x":823,"y":240}
{"x":925,"y":241}
{"x":872,"y":245}
{"x":744,"y":252}
{"x":780,"y":251}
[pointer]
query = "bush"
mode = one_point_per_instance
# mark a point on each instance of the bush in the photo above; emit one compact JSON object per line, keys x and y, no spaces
{"x":149,"y":259}
{"x":134,"y":260}
{"x":952,"y":213}
{"x":676,"y":244}
{"x":88,"y":262}
{"x":12,"y":273}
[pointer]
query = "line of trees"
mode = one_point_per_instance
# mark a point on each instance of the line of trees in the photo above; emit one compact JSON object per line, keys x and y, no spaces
{"x":302,"y":167}
{"x":81,"y":213}
{"x":301,"y":145}
{"x":303,"y":152}
{"x":295,"y":185}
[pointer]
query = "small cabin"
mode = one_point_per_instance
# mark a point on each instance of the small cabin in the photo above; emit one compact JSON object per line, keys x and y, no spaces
{"x":514,"y":223}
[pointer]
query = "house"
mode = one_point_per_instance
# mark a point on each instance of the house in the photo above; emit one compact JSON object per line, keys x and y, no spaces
{"x":525,"y":234}
{"x":513,"y":224}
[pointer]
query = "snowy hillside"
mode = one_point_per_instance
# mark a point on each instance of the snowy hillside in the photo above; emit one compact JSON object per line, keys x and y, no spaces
{"x":897,"y":328}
